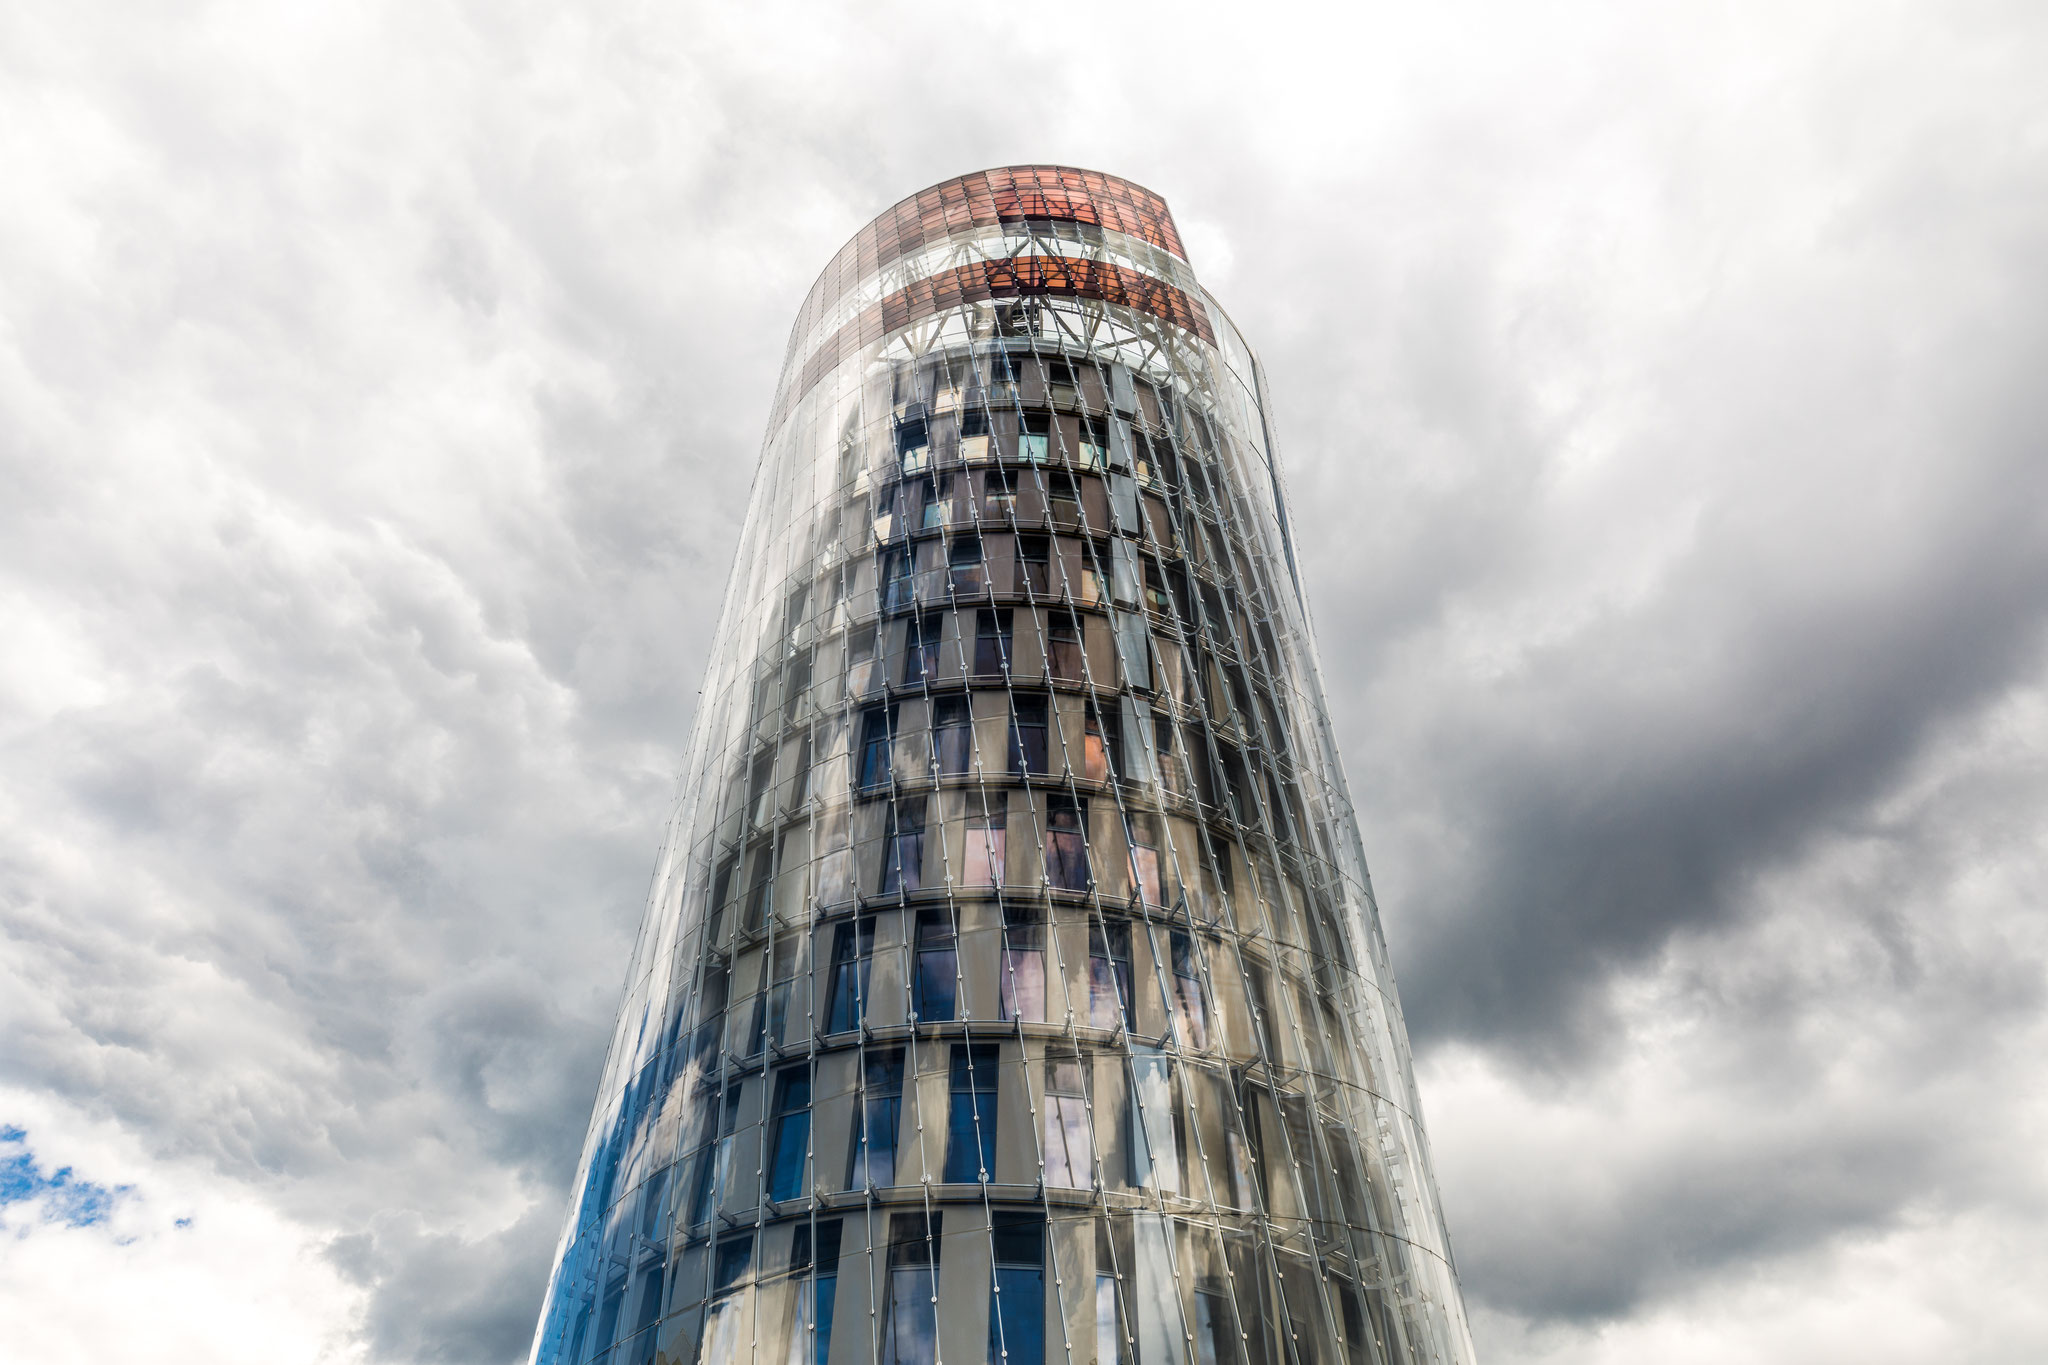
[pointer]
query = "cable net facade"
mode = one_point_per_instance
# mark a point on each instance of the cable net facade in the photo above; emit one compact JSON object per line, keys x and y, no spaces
{"x":1011,"y":988}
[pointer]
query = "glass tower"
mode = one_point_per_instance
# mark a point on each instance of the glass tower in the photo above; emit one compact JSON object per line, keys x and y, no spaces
{"x":1011,"y":988}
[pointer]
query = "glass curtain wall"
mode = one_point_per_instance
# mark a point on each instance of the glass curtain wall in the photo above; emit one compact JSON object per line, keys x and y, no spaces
{"x":1011,"y":987}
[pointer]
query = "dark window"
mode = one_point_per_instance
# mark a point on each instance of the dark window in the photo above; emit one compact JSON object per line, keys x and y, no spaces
{"x":910,"y":1325}
{"x":999,"y":494}
{"x":903,"y":847}
{"x":771,"y":1006}
{"x":971,"y":1124}
{"x":1027,"y":736}
{"x":969,"y":578}
{"x":1023,"y":968}
{"x":735,"y":1255}
{"x":1190,"y":1000}
{"x":1064,"y":497}
{"x":877,"y":726}
{"x":853,"y":948}
{"x":714,"y":1164}
{"x":974,"y":436}
{"x":1034,"y":566}
{"x":1155,"y":589}
{"x":760,"y":782}
{"x":983,"y":858}
{"x":817,"y":1287}
{"x":796,"y":681}
{"x":952,"y":736}
{"x":1109,"y":973}
{"x":1102,"y":745}
{"x":1034,"y":441}
{"x":921,"y":649}
{"x":1094,"y":453}
{"x":913,"y":445}
{"x":1063,"y":649}
{"x":790,"y":1141}
{"x":938,"y":968}
{"x":898,"y":587}
{"x":876,"y":1121}
{"x":1066,"y":844}
{"x":1143,"y":832}
{"x":992,"y":641}
{"x":934,"y":506}
{"x":1016,"y":1311}
{"x":759,"y":888}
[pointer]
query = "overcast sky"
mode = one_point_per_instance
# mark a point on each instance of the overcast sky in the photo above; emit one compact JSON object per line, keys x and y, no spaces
{"x":1663,"y":392}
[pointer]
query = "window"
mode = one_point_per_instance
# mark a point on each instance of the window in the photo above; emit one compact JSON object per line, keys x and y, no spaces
{"x":971,"y":1122}
{"x":1064,"y":496}
{"x":860,"y":660}
{"x":984,"y":857}
{"x":1215,"y":1342}
{"x":1069,"y":1145}
{"x":1059,"y":375}
{"x":998,"y":491}
{"x":759,"y":887}
{"x":1155,"y":1122}
{"x":898,"y":588}
{"x":1190,"y":1000}
{"x":1063,"y":649}
{"x":1155,"y":589}
{"x":876,"y":1122}
{"x":910,"y":1326}
{"x":934,"y":506}
{"x":1102,"y":743}
{"x":722,"y":1325}
{"x":1262,"y":1011}
{"x":1143,"y":832}
{"x":913,"y":445}
{"x":974,"y":436}
{"x":771,"y":1006}
{"x":921,"y":649}
{"x":969,"y":578}
{"x":877,"y":726}
{"x":1172,"y":768}
{"x":1109,"y":973}
{"x":1109,"y":1322}
{"x":810,"y":1337}
{"x":714,"y":1166}
{"x":1023,"y":970}
{"x":1034,"y":566}
{"x":1066,"y":844}
{"x":760,"y":785}
{"x":1016,"y":1310}
{"x":796,"y":682}
{"x":903,"y":847}
{"x":1027,"y":736}
{"x":952,"y":736}
{"x":992,"y":637}
{"x":1094,"y":452}
{"x":1034,"y":441}
{"x":790,"y":1141}
{"x":853,"y":949}
{"x":933,"y":995}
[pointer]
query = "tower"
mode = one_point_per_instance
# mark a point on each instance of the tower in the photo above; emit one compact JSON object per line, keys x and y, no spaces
{"x":1011,"y":987}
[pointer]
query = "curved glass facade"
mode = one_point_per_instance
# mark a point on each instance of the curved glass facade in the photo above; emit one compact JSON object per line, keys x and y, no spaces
{"x":1011,"y":987}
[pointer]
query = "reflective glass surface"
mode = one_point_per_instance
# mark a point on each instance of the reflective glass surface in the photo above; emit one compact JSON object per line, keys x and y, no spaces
{"x":1011,"y":987}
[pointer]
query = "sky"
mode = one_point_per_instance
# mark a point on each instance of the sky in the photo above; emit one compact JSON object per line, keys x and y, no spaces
{"x":1660,"y":395}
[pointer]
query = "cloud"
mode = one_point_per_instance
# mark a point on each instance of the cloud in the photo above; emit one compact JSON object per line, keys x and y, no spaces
{"x":379,"y":395}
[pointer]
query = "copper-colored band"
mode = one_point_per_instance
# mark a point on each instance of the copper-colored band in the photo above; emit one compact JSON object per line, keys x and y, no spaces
{"x":985,"y":199}
{"x":1016,"y":277}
